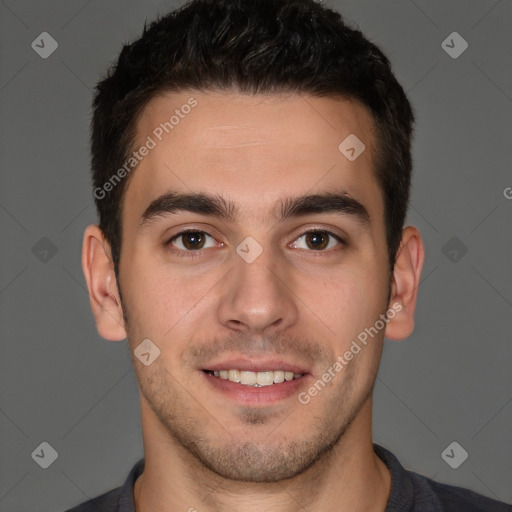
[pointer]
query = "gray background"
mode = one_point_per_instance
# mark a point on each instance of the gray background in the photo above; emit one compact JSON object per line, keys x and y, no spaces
{"x":62,"y":384}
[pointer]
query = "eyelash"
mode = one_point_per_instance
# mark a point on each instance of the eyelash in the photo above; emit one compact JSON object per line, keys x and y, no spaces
{"x":194,"y":254}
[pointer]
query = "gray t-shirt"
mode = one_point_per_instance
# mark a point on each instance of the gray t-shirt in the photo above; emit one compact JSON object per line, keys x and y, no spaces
{"x":410,"y":492}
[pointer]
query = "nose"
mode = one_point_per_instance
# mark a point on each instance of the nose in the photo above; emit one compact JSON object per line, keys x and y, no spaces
{"x":258,"y":296}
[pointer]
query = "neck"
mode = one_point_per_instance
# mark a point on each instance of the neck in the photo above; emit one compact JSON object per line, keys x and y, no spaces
{"x":350,"y":477}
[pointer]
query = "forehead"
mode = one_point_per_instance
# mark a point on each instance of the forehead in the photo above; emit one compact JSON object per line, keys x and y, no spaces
{"x":254,"y":150}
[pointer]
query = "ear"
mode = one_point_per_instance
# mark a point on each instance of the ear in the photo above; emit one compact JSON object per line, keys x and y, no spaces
{"x":102,"y":285}
{"x":404,"y":285}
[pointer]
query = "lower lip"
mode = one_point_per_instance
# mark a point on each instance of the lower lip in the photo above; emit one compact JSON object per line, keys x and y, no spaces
{"x":256,"y":395}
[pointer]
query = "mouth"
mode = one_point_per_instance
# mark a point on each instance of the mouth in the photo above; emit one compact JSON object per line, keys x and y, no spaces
{"x":255,"y":379}
{"x":256,"y":382}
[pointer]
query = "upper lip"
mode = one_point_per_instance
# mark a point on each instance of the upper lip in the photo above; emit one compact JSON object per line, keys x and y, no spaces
{"x":253,"y":365}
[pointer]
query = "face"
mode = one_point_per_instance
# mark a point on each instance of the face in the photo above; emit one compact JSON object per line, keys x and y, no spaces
{"x":275,"y":262}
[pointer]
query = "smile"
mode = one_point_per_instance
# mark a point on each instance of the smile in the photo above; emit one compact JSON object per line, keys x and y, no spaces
{"x":255,"y":379}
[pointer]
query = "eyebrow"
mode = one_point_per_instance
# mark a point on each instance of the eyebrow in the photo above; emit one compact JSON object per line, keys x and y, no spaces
{"x":216,"y":205}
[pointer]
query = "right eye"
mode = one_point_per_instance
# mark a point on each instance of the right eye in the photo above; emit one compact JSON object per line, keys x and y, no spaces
{"x":190,"y":241}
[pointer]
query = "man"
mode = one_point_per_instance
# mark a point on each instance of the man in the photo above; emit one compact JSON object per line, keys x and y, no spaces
{"x":251,"y":167}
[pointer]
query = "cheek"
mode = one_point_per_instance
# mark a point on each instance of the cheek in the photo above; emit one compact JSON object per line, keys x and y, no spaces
{"x":147,"y":295}
{"x":163,"y":303}
{"x":349,"y":302}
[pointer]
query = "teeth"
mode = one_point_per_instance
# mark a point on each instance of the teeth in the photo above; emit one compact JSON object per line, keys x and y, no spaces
{"x":248,"y":378}
{"x":265,"y":378}
{"x":256,"y":379}
{"x":234,"y":375}
{"x":278,"y":376}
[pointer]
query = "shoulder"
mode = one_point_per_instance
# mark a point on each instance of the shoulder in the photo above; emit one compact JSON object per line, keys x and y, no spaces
{"x":454,"y":498}
{"x":108,"y":502}
{"x":119,"y":499}
{"x":413,"y":492}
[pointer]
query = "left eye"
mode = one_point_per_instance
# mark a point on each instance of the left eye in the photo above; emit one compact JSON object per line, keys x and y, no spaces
{"x":191,"y":240}
{"x":317,"y":240}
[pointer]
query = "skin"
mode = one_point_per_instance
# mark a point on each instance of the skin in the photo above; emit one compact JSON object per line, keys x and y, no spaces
{"x":204,"y":449}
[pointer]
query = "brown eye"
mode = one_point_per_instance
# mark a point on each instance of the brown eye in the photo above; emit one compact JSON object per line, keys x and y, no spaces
{"x":190,"y":240}
{"x":193,"y":240}
{"x":317,"y":240}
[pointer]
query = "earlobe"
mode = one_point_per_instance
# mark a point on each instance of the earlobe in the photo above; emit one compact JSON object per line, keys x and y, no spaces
{"x":405,"y":282}
{"x":102,"y":285}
